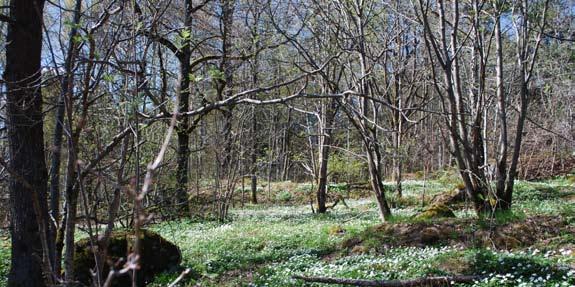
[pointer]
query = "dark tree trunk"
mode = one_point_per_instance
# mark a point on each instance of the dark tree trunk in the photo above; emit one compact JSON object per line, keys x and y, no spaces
{"x":322,"y":181}
{"x":507,"y":197}
{"x":254,"y":157}
{"x":329,"y":112}
{"x":225,"y":84}
{"x":28,"y":183}
{"x":183,"y":135}
{"x":183,"y":127}
{"x":254,"y":123}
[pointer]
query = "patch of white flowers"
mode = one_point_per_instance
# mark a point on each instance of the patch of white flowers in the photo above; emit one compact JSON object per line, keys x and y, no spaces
{"x":400,"y":263}
{"x":528,"y":268}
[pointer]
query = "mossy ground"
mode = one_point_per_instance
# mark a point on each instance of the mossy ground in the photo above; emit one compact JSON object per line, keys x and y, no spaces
{"x":263,"y":245}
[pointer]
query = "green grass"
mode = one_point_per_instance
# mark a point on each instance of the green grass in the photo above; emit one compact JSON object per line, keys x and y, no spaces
{"x":259,"y":236}
{"x":499,"y":269}
{"x":265,"y":245}
{"x":4,"y":258}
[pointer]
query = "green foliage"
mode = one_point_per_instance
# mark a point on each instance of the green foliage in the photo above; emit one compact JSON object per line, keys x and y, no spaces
{"x":265,"y":246}
{"x":346,"y":168}
{"x":502,"y":217}
{"x":305,"y":188}
{"x":4,"y":259}
{"x":215,"y":73}
{"x":260,"y":236}
{"x":400,"y":263}
{"x":284,"y":196}
{"x":524,"y":268}
{"x":552,"y":197}
{"x":182,"y":38}
{"x":529,"y":268}
{"x":339,"y":188}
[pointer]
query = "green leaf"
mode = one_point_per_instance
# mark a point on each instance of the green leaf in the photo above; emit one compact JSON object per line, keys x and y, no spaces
{"x":185,"y":34}
{"x":216,"y":74}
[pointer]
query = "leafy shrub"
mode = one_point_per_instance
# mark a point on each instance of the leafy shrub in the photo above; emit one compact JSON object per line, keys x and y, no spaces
{"x":284,"y":196}
{"x":447,"y":177}
{"x":342,"y":167}
{"x":339,"y":188}
{"x":304,"y":188}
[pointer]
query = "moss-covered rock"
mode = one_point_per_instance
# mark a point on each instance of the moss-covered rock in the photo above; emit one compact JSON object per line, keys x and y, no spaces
{"x":436,"y":211}
{"x":450,"y":197}
{"x":156,"y":255}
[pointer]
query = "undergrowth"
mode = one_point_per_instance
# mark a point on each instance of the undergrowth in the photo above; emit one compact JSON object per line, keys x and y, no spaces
{"x":264,"y":245}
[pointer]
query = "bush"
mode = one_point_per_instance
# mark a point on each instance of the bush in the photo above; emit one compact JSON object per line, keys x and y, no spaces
{"x":304,"y":188}
{"x":345,"y":168}
{"x":339,"y":188}
{"x":284,"y":196}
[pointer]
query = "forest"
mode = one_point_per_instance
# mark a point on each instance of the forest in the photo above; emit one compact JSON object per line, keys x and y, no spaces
{"x":287,"y":143}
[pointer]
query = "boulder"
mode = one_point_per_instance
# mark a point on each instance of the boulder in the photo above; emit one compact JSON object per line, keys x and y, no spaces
{"x":156,"y":255}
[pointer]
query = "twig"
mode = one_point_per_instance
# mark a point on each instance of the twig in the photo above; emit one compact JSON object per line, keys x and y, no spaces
{"x":182,"y":276}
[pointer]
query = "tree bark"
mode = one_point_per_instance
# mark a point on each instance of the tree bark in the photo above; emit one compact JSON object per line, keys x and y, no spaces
{"x":225,"y":83}
{"x":67,"y":87}
{"x":326,"y":123}
{"x":374,"y":167}
{"x":254,"y":157}
{"x":183,"y":128}
{"x":28,"y":184}
{"x":501,"y":169}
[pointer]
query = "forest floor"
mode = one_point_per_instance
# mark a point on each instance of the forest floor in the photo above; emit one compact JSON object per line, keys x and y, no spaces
{"x":265,"y":244}
{"x":534,"y":245}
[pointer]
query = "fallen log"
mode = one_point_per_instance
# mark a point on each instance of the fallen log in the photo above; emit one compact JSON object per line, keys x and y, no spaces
{"x":426,"y":281}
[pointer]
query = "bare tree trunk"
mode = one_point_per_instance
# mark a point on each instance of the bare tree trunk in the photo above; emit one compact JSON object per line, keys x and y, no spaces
{"x":326,"y":126}
{"x":29,"y":181}
{"x":67,"y":87}
{"x":468,"y":153}
{"x":286,"y":147}
{"x":225,"y":84}
{"x":183,"y":128}
{"x":71,"y":210}
{"x":377,"y":184}
{"x":397,"y":156}
{"x":254,"y":122}
{"x":502,"y":116}
{"x":254,"y":157}
{"x":507,"y":197}
{"x":526,"y":56}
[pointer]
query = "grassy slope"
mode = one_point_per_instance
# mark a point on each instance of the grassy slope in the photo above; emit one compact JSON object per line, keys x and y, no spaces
{"x":264,"y":246}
